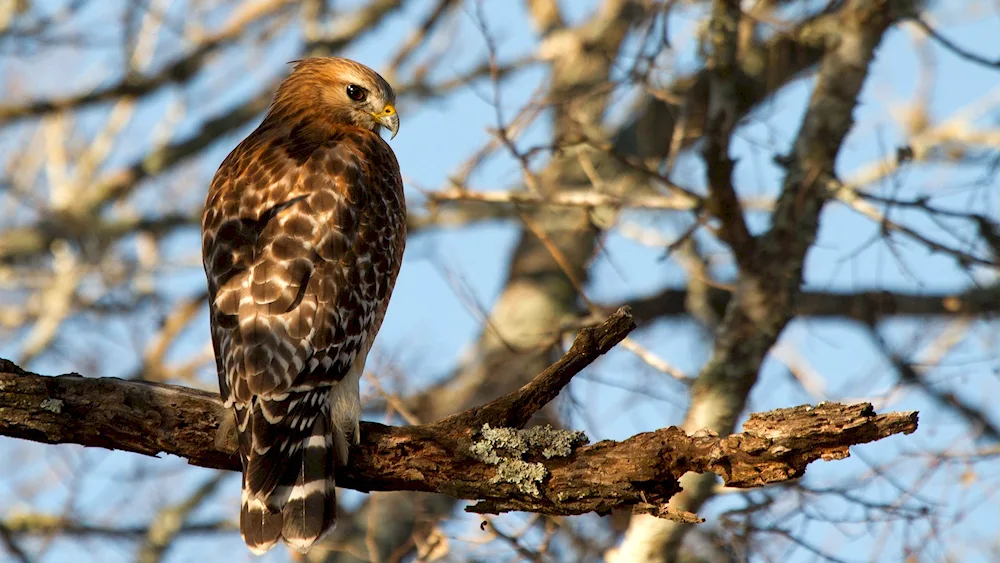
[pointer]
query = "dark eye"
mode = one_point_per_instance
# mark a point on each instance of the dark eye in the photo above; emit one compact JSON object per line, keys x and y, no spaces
{"x":355,"y":92}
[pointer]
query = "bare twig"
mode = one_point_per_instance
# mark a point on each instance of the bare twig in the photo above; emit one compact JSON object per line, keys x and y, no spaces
{"x":514,"y":409}
{"x":179,"y":71}
{"x":566,"y":199}
{"x":954,"y":47}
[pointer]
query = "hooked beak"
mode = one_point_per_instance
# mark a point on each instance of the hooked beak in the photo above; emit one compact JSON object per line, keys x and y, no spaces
{"x":389,"y":119}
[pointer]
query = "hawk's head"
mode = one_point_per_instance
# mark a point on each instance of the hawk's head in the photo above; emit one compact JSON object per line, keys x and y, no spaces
{"x":342,"y":90}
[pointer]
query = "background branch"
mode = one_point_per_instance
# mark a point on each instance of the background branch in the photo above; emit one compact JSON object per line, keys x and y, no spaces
{"x":798,"y":201}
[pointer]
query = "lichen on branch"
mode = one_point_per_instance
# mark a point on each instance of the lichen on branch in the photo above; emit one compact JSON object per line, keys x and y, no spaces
{"x":506,"y":449}
{"x":481,"y":454}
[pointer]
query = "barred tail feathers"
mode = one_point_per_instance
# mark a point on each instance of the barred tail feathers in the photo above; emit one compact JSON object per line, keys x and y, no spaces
{"x":310,"y":512}
{"x":289,"y":491}
{"x":260,"y":527}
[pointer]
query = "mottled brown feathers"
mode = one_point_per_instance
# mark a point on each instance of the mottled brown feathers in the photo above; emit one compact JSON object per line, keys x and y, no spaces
{"x":303,"y":235}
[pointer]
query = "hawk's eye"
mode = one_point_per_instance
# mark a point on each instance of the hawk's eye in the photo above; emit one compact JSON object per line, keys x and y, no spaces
{"x":355,"y":92}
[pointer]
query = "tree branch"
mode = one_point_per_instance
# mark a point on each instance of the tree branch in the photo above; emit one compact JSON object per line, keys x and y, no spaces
{"x":514,"y":409}
{"x":767,"y":292}
{"x":538,"y":470}
{"x":864,"y":306}
{"x":954,"y":47}
{"x":723,"y":113}
{"x":178,"y":71}
{"x":585,"y":199}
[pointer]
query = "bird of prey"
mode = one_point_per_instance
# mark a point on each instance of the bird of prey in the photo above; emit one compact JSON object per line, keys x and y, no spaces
{"x":302,"y":240}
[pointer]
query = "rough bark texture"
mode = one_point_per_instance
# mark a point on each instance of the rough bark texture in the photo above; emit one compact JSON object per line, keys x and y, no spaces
{"x":551,"y":476}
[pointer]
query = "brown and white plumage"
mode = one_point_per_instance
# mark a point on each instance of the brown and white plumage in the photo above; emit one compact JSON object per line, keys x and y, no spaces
{"x":303,"y":235}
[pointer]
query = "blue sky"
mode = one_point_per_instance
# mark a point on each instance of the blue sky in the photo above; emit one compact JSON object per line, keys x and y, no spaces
{"x":429,"y":326}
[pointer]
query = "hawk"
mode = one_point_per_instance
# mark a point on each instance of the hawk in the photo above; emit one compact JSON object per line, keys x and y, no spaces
{"x":302,"y":239}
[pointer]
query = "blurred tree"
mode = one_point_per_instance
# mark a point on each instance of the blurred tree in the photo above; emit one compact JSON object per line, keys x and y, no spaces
{"x":798,"y":200}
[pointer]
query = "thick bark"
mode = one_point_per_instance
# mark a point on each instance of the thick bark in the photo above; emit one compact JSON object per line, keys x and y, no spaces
{"x":503,"y":468}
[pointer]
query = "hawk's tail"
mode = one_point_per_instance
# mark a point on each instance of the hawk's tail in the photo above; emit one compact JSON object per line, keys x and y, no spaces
{"x":289,"y":492}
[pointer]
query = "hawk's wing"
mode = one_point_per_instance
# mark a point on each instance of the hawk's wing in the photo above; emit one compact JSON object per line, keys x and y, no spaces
{"x":302,"y":243}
